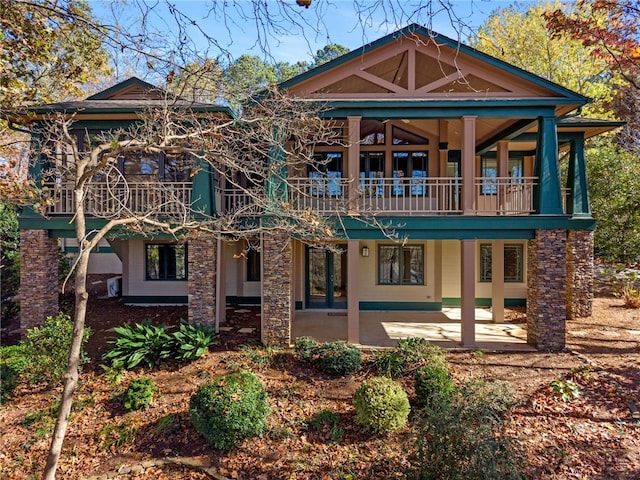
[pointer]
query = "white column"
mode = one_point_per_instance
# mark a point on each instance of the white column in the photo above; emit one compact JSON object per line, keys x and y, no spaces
{"x":353,"y":300}
{"x":497,"y":280}
{"x":468,"y":293}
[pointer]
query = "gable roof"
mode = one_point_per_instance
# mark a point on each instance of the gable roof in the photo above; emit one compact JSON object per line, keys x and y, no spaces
{"x":442,"y":77}
{"x":131,"y":87}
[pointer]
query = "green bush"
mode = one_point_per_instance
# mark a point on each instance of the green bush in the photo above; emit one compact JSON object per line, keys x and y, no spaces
{"x":47,"y":347}
{"x":142,"y":342}
{"x":381,"y":405}
{"x":229,"y":408}
{"x":336,"y":358}
{"x":306,"y":348}
{"x":190,"y":341}
{"x":464,"y":439}
{"x":410,"y":354}
{"x":339,"y":358}
{"x":327,"y":422}
{"x":433,"y":383}
{"x":13,"y":362}
{"x":139,"y":394}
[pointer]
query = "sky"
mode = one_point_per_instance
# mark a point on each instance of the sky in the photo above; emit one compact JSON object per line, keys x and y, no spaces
{"x":237,"y":31}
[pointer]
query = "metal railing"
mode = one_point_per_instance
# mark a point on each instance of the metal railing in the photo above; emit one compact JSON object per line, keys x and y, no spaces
{"x":107,"y":199}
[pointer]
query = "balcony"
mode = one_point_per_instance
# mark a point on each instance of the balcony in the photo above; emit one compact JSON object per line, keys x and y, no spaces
{"x":108,"y":200}
{"x":413,"y":196}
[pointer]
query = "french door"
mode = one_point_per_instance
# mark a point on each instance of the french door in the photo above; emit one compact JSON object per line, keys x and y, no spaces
{"x":326,"y":278}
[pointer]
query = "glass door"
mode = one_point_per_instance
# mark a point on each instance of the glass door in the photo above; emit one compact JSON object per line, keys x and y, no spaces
{"x":326,"y":278}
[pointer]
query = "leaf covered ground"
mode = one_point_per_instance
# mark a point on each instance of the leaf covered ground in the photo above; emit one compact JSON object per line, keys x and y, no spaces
{"x":594,"y":436}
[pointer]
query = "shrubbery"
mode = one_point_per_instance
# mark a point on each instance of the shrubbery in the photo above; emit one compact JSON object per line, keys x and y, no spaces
{"x":230,"y":408}
{"x":147,"y":343}
{"x":463,"y":439}
{"x":433,"y":383}
{"x":47,"y":348}
{"x":336,"y":358}
{"x":139,"y":394}
{"x":410,"y":354}
{"x":381,"y":405}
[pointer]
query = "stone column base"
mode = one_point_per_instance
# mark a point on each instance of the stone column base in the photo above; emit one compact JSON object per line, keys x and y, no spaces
{"x":202,"y":279}
{"x":277,"y":264}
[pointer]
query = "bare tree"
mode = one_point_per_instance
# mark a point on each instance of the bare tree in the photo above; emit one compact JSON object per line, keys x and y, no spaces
{"x":250,"y":158}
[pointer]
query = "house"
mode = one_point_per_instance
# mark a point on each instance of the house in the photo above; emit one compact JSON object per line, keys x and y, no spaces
{"x":459,"y":151}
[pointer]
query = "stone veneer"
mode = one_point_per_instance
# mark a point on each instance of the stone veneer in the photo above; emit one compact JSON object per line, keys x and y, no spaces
{"x":579,"y":273}
{"x":546,"y":290}
{"x":277,"y":292}
{"x":38,"y":277}
{"x":202,"y":279}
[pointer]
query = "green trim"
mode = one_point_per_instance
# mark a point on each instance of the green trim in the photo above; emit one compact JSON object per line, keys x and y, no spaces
{"x":402,"y":306}
{"x":484,"y":302}
{"x":578,"y":204}
{"x":95,"y":250}
{"x":236,"y":300}
{"x":165,"y":299}
{"x":547,"y":198}
{"x":438,"y":39}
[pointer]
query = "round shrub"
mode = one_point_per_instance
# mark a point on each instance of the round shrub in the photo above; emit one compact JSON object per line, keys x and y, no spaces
{"x":339,"y":358}
{"x":381,"y":405}
{"x":433,"y":383}
{"x":229,"y":408}
{"x":139,"y":394}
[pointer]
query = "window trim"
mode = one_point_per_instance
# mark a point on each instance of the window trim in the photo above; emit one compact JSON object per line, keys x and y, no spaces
{"x":400,"y":248}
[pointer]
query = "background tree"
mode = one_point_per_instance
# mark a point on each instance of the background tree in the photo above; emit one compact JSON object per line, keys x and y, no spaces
{"x":328,"y":53}
{"x":519,"y":35}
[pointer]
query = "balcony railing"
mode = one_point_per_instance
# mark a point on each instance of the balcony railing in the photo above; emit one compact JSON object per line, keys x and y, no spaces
{"x":105,"y":199}
{"x":504,"y":195}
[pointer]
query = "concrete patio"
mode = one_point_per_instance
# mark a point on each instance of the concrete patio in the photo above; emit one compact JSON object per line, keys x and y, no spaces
{"x":385,"y":328}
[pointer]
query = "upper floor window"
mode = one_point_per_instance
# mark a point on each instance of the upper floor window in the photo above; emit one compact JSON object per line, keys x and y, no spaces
{"x":413,"y":165}
{"x":372,"y":132}
{"x":327,"y":172}
{"x":404,"y":137}
{"x":489,"y":173}
{"x":166,"y":261}
{"x":166,"y":167}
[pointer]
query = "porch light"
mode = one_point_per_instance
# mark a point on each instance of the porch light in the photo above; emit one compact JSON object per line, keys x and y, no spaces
{"x":365,"y":251}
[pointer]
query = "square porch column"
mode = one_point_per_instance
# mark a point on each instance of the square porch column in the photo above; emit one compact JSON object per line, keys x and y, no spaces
{"x":201,"y":286}
{"x":468,"y":293}
{"x":38,"y":277}
{"x":277,"y":288}
{"x":353,"y":296}
{"x":497,"y":281}
{"x":546,"y":290}
{"x":468,"y":165}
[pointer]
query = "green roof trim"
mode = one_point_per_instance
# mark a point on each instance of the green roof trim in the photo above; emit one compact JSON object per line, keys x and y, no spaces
{"x":437,"y":37}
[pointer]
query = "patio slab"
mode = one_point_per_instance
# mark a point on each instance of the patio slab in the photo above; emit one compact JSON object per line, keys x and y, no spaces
{"x":385,"y":328}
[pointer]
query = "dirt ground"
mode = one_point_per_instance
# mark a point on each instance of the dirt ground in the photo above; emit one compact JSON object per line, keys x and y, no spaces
{"x":596,"y":436}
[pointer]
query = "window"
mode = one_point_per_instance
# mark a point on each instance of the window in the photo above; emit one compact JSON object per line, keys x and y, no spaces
{"x":400,"y":265}
{"x":411,"y":165}
{"x":372,"y":132}
{"x":327,"y":172}
{"x":372,"y":173}
{"x":166,"y":261}
{"x":253,"y":265}
{"x":489,"y":171}
{"x":403,"y":137}
{"x":513,"y":263}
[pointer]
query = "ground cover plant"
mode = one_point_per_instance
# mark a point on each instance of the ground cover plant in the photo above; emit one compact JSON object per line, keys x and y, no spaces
{"x":311,"y":431}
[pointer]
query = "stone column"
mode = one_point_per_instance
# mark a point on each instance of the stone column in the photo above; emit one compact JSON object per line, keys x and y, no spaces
{"x":202,"y":279}
{"x":38,"y":277}
{"x":546,"y":290}
{"x":277,"y":291}
{"x":579,"y":274}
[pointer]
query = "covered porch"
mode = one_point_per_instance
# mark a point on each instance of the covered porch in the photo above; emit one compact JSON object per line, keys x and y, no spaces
{"x":385,"y":328}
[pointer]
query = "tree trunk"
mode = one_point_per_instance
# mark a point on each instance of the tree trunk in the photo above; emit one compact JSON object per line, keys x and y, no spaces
{"x":71,"y":375}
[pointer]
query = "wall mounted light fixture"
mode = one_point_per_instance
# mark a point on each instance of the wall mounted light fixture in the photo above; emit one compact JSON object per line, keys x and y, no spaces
{"x":365,"y":251}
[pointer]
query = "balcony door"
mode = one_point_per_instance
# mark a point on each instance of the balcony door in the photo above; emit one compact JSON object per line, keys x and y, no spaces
{"x":326,"y":278}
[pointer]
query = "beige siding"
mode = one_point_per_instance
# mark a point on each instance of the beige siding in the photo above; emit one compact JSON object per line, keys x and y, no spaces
{"x":134,"y":272}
